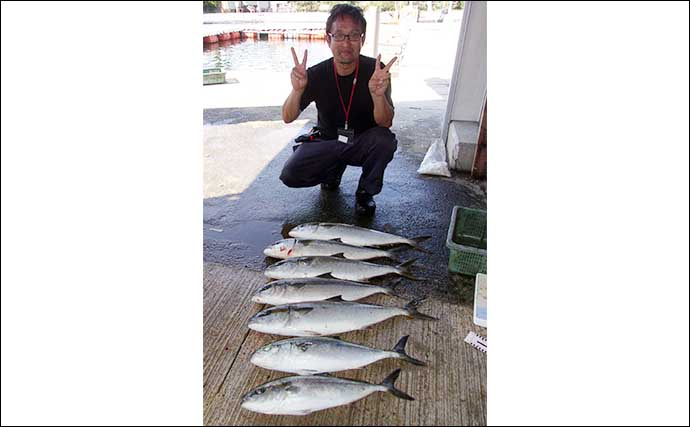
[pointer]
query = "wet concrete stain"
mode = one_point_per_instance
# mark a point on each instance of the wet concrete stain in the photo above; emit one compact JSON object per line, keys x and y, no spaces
{"x":237,"y":229}
{"x":230,"y":116}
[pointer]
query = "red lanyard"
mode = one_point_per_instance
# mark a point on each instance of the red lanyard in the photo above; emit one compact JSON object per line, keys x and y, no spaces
{"x":354,"y":83}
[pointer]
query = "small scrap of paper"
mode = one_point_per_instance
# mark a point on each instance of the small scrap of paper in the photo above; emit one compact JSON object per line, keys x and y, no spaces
{"x":476,"y":341}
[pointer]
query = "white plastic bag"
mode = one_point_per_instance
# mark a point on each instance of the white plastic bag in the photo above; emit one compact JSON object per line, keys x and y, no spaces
{"x":434,"y":162}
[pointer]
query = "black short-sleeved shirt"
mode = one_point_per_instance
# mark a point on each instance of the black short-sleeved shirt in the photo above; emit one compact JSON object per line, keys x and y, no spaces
{"x":321,"y":89}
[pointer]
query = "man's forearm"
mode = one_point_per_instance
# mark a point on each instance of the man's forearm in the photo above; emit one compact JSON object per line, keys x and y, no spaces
{"x":291,"y":108}
{"x":383,"y":111}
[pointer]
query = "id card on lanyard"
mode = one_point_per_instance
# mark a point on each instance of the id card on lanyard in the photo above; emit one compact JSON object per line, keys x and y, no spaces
{"x":346,"y":135}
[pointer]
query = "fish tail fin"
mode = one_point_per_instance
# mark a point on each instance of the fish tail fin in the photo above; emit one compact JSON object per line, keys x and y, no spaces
{"x":390,"y":287}
{"x":415,"y":243}
{"x":390,"y":254}
{"x":411,"y":308}
{"x":400,"y":349}
{"x":404,"y":269}
{"x":392,"y":251}
{"x":390,"y":387}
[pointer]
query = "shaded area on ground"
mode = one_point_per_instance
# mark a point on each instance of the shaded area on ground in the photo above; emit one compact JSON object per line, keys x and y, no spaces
{"x":229,"y":116}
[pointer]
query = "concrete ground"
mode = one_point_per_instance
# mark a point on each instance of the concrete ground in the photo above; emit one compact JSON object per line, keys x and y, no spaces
{"x":450,"y":391}
{"x":246,"y":208}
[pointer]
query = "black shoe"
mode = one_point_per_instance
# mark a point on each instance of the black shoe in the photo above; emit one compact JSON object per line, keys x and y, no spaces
{"x":365,"y":204}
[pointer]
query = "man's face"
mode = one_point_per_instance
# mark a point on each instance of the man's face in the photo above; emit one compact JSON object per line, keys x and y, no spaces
{"x":346,"y":51}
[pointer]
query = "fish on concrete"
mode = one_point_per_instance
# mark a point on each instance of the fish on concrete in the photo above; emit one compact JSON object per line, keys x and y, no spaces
{"x":302,"y":395}
{"x":322,"y":318}
{"x":290,"y":291}
{"x":339,"y":268}
{"x":292,"y":248}
{"x":316,"y":355}
{"x":353,"y":235}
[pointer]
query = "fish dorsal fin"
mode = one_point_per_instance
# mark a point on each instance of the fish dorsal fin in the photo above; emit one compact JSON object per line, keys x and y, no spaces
{"x":325,"y":374}
{"x":339,"y":255}
{"x":337,"y":337}
{"x":336,"y":298}
{"x":346,"y":241}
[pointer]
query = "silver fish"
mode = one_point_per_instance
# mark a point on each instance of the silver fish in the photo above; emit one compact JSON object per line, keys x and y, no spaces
{"x":316,"y":355}
{"x":352,"y":235}
{"x":292,"y":248}
{"x":339,"y":268}
{"x":302,"y":395}
{"x":289,"y":291}
{"x":327,"y":317}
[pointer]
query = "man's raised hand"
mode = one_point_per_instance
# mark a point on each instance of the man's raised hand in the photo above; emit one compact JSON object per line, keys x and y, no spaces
{"x":379,"y":81}
{"x":298,"y":76}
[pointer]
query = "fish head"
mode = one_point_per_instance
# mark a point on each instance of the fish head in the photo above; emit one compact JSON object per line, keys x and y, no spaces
{"x":269,"y":398}
{"x":288,"y":268}
{"x":281,"y":249}
{"x":253,"y":394}
{"x":264,"y":355}
{"x":304,"y":231}
{"x":256,"y":399}
{"x":268,"y":320}
{"x":279,"y":270}
{"x":262,"y":295}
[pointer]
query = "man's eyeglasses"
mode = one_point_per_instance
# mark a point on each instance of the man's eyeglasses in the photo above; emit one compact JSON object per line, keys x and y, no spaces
{"x":352,"y":36}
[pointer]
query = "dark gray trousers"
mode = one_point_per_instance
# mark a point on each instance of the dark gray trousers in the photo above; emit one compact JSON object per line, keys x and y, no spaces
{"x":320,"y":161}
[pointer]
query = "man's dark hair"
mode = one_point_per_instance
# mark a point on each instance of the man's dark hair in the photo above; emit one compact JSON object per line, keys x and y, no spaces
{"x":353,"y":12}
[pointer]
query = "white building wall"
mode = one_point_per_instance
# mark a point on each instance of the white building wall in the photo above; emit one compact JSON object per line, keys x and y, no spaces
{"x":468,"y":88}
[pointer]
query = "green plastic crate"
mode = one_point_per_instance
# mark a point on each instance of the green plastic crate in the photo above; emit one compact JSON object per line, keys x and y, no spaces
{"x":467,"y":241}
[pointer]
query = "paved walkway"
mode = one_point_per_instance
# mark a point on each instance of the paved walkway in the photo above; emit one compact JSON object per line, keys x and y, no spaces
{"x":451,"y":391}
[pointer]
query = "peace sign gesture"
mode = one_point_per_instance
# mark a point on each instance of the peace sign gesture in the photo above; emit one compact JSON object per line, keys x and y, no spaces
{"x":298,"y":77}
{"x":379,"y":81}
